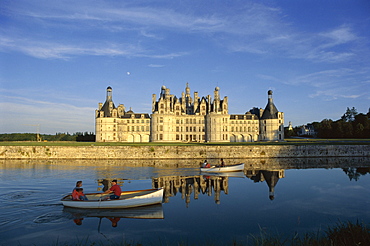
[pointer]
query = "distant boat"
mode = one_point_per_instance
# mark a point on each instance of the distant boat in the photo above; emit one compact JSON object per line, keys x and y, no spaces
{"x":128,"y":199}
{"x":216,"y":169}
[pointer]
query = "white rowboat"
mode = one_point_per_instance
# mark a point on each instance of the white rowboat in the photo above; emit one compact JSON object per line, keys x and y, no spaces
{"x":128,"y":199}
{"x":216,"y":169}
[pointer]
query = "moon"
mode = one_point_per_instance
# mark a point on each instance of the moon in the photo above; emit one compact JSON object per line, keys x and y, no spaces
{"x":128,"y":73}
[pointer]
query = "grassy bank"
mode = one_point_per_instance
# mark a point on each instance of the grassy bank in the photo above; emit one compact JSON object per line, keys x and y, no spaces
{"x":343,"y":234}
{"x":290,"y":141}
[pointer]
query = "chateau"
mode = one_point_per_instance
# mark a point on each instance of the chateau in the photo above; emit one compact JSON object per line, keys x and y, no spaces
{"x":187,"y":119}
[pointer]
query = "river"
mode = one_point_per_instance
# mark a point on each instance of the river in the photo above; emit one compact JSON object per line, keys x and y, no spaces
{"x":280,"y":197}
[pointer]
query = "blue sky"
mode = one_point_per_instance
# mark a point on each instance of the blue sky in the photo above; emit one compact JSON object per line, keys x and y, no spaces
{"x":58,"y":57}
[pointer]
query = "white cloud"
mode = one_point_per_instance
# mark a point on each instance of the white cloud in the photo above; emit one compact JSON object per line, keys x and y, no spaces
{"x":339,"y":35}
{"x":249,"y":28}
{"x":155,"y":65}
{"x":22,"y":112}
{"x":54,"y":50}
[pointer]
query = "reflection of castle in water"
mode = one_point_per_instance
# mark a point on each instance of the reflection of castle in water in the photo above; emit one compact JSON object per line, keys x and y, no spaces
{"x":271,"y":177}
{"x":191,"y":184}
{"x":354,"y":173}
{"x":204,"y":184}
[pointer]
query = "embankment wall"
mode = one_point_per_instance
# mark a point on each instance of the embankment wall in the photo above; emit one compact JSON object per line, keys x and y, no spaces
{"x":182,"y":152}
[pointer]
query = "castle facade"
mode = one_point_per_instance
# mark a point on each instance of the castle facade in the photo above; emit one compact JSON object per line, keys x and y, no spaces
{"x":187,"y":119}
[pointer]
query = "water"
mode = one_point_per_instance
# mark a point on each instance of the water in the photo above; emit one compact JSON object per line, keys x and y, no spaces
{"x":276,"y":198}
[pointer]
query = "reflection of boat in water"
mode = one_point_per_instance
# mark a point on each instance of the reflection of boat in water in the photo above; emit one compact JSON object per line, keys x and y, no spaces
{"x":146,"y":212}
{"x":237,"y":174}
{"x":128,"y":199}
{"x":231,"y":168}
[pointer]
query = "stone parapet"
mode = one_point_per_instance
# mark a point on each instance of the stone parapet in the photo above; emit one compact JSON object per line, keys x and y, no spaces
{"x":182,"y":152}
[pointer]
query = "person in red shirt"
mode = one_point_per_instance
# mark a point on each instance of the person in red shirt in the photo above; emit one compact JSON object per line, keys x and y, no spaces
{"x":78,"y":195}
{"x":116,"y":189}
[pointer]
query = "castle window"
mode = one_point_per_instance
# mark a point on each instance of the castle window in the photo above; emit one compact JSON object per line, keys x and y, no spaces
{"x":160,"y":119}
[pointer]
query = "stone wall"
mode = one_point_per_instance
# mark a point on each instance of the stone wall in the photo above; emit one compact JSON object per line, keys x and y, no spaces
{"x":182,"y":152}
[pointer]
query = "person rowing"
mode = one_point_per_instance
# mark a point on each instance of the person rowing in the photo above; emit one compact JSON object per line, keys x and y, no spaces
{"x":116,"y":189}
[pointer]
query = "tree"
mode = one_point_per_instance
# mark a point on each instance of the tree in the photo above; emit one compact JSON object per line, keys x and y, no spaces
{"x":350,"y":114}
{"x":359,"y":131}
{"x":325,"y":129}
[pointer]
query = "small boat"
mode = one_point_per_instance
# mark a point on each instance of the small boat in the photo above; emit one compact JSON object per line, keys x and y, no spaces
{"x":128,"y":199}
{"x":231,"y":168}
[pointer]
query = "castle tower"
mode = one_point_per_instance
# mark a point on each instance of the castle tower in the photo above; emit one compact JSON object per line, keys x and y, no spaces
{"x":217,"y":118}
{"x":271,"y":122}
{"x":105,"y":119}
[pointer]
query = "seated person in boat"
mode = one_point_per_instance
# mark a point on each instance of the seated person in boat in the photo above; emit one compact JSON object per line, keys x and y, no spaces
{"x":78,"y":195}
{"x":222,"y":162}
{"x":78,"y":184}
{"x":116,"y":189}
{"x":206,"y":164}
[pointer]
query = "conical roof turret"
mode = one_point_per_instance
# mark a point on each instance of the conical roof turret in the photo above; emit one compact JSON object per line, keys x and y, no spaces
{"x":270,"y":112}
{"x":108,"y":105}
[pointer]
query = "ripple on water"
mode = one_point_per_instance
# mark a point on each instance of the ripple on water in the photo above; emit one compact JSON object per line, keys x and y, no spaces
{"x":51,"y":217}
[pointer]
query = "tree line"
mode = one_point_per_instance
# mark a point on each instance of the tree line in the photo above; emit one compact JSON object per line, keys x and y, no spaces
{"x":351,"y":125}
{"x":78,"y":136}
